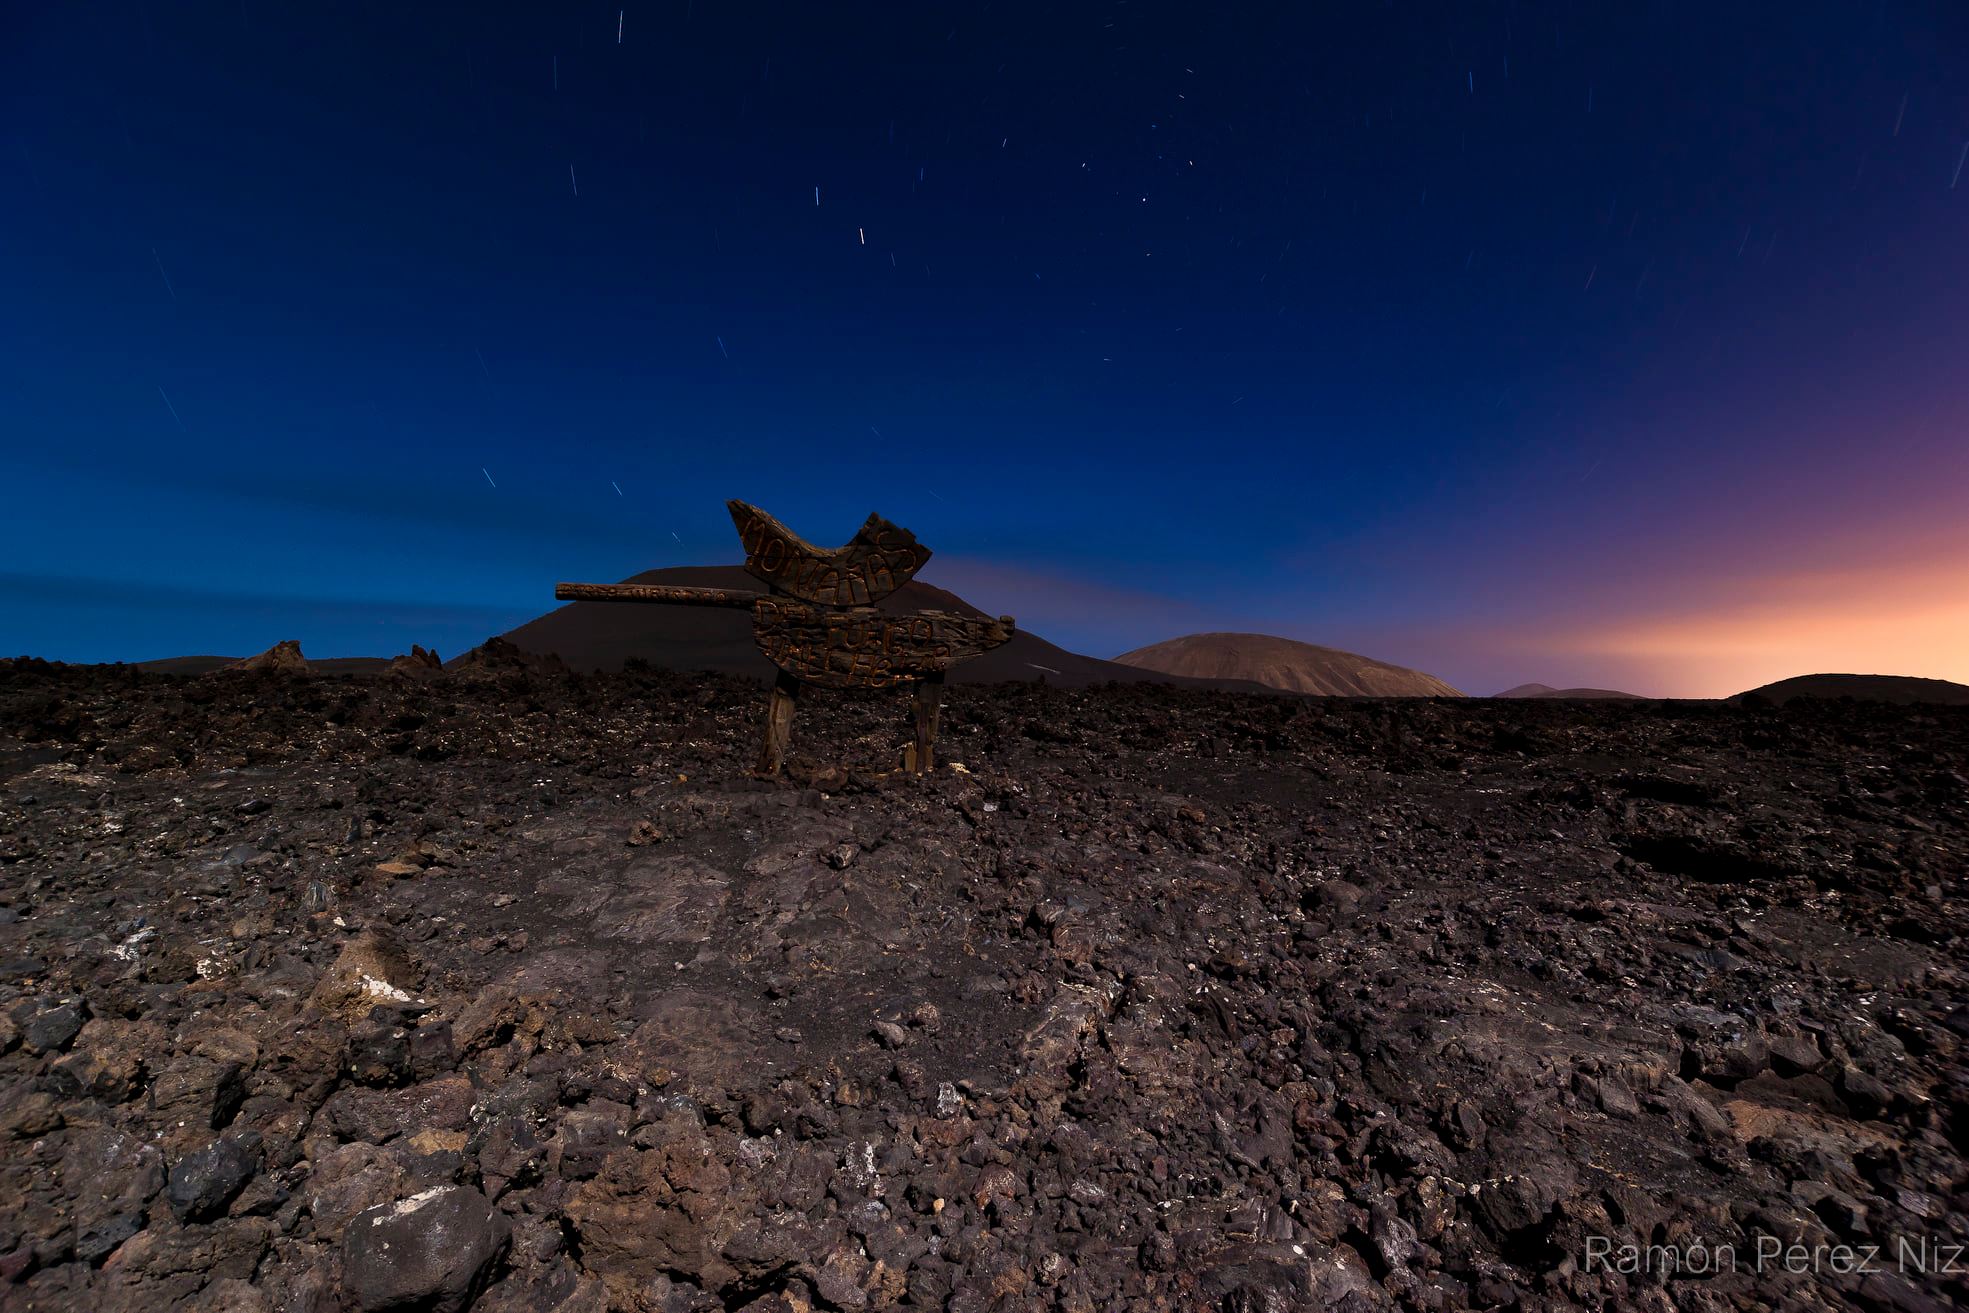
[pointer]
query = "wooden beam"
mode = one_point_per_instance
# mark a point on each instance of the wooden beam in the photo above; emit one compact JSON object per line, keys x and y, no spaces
{"x":675,"y":594}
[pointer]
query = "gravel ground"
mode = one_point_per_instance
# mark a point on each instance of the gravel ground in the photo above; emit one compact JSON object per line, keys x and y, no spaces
{"x":507,"y":989}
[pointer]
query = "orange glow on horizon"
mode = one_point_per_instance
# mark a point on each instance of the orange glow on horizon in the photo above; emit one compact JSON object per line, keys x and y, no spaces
{"x":1885,"y":619}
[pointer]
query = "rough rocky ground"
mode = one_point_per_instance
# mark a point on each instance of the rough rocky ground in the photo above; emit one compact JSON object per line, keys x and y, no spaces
{"x":506,"y":988}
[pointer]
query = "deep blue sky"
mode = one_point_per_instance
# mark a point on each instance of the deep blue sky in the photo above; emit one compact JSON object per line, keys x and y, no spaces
{"x":1461,"y":334}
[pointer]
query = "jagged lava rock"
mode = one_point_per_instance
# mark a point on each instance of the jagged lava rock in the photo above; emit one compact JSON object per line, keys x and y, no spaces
{"x":433,"y":1251}
{"x":283,"y":658}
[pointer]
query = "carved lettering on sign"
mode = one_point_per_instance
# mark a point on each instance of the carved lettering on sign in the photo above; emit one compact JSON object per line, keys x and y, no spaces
{"x":879,"y":559}
{"x":864,"y":648}
{"x":681,"y":594}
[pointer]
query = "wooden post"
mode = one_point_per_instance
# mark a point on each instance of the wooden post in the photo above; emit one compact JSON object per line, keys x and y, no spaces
{"x":779,"y":723}
{"x":928,"y":703}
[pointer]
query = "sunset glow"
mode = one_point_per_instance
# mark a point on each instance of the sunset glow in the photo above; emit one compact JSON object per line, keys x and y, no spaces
{"x":1858,"y":622}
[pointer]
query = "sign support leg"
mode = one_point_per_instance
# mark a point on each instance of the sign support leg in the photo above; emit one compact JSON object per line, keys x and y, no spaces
{"x":780,"y":705}
{"x":928,"y":703}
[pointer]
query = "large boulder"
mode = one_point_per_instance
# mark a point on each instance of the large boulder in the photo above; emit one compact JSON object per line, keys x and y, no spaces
{"x":435,"y":1250}
{"x":418,"y":663}
{"x":371,"y":970}
{"x":203,"y":1182}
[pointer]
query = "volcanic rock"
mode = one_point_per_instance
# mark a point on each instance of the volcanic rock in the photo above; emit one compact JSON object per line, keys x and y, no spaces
{"x":418,"y":663}
{"x":47,"y":1025}
{"x":1172,"y":998}
{"x":376,"y":1115}
{"x":372,"y":969}
{"x":435,"y":1250}
{"x":204,"y":1182}
{"x":283,"y":658}
{"x":497,"y":657}
{"x":113,"y":1176}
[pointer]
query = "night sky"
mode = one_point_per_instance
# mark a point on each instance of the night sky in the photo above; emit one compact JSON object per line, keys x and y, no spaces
{"x":1623,"y":345}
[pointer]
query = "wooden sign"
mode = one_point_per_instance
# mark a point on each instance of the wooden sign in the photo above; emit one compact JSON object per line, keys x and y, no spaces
{"x":864,"y":648}
{"x":819,"y":624}
{"x":879,"y":559}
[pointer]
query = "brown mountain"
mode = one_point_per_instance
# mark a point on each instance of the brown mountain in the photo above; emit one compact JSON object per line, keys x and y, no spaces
{"x":1904,"y":689}
{"x":1547,"y":691}
{"x":1285,"y":664}
{"x":603,"y":635}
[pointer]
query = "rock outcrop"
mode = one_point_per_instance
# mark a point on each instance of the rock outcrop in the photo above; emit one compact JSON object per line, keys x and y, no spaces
{"x":283,"y":658}
{"x":418,"y":663}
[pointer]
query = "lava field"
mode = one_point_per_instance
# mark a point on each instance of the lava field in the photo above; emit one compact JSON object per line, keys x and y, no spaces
{"x":510,"y":989}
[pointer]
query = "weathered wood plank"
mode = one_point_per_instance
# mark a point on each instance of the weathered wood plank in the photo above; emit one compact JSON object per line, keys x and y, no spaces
{"x":879,"y":559}
{"x":865,"y":648}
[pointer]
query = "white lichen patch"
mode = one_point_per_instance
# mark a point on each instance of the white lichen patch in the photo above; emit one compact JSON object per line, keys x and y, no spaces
{"x":383,"y":989}
{"x":128,"y":950}
{"x":405,"y":1207}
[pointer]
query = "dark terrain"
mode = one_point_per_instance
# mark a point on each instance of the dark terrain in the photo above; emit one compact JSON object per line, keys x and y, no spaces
{"x":505,"y":987}
{"x":1904,"y":689}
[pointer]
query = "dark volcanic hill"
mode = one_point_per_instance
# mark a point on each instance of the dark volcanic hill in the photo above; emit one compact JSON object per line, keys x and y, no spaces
{"x":604,"y":635}
{"x":1903,"y":689}
{"x":1547,"y":691}
{"x":1285,"y":664}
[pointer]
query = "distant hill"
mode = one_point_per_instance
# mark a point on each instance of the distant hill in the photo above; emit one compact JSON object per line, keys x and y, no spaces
{"x":1903,"y":689}
{"x":603,"y":635}
{"x":1287,"y":665}
{"x":1547,"y":691}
